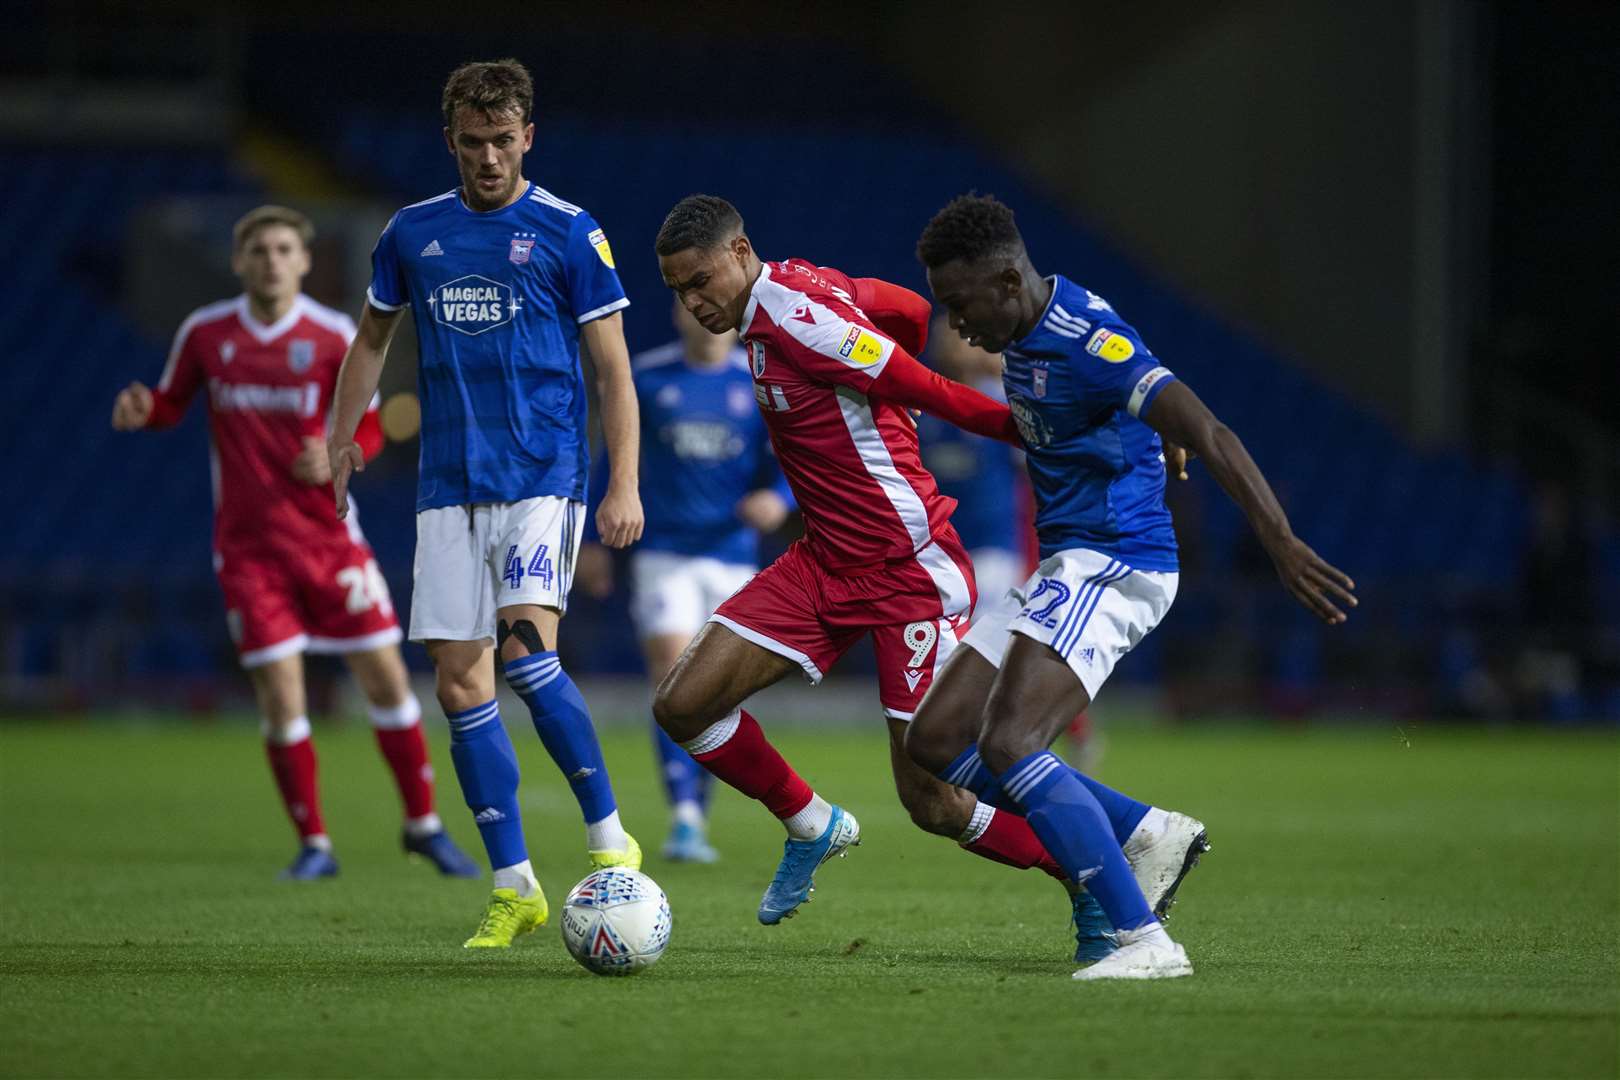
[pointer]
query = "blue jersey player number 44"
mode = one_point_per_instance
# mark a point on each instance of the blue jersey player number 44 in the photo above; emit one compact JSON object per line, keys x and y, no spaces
{"x":505,"y":281}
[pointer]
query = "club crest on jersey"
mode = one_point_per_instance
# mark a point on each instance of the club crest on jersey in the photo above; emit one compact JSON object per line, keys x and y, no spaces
{"x":738,"y":401}
{"x":756,"y":358}
{"x":300,"y":355}
{"x":474,"y":304}
{"x":1038,"y":381}
{"x":1112,"y":347}
{"x":519,"y":251}
{"x":227,"y":351}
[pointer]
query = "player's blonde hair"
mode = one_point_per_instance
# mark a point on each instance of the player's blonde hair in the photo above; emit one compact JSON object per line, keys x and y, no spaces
{"x":495,"y":88}
{"x":270,"y":214}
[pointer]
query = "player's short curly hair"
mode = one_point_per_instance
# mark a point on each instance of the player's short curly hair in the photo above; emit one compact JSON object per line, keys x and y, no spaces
{"x":700,"y":221}
{"x":970,"y":227}
{"x":495,"y":88}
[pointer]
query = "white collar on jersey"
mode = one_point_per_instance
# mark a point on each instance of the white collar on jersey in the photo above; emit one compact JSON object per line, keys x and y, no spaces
{"x":753,"y":297}
{"x":265,"y":334}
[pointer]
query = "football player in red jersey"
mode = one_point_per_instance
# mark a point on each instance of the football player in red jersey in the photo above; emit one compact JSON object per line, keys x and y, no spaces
{"x":295,"y":578}
{"x":834,"y":375}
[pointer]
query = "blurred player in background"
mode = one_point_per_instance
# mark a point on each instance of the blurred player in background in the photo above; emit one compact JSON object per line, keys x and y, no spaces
{"x":878,"y":557}
{"x":712,"y":488}
{"x":295,"y":579}
{"x":984,"y":476}
{"x":1091,"y":403}
{"x":506,"y":280}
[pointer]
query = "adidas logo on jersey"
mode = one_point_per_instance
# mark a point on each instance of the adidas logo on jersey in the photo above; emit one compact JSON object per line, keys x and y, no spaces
{"x":488,"y":816}
{"x":433,"y":248}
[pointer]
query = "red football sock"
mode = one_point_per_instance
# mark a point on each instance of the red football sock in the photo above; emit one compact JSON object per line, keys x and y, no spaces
{"x":1009,"y":840}
{"x":407,"y":755}
{"x":748,"y":762}
{"x":294,"y":769}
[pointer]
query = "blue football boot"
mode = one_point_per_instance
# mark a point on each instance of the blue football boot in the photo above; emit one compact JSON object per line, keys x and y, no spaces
{"x":312,"y":864}
{"x":792,"y":884}
{"x":438,"y":849}
{"x":687,"y":843}
{"x":1093,"y":934}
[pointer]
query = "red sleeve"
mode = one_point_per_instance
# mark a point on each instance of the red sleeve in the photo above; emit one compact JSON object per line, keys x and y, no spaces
{"x":896,"y":311}
{"x":904,"y":381}
{"x":182,"y":375}
{"x":369,"y":433}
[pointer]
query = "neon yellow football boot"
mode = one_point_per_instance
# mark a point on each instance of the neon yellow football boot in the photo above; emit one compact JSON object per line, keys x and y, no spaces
{"x":507,"y":916}
{"x":629,"y":858}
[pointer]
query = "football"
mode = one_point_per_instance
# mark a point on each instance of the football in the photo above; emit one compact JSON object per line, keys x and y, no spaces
{"x":616,"y":922}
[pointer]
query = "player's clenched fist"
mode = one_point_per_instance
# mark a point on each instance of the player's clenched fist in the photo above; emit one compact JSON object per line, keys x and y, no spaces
{"x":618,"y":519}
{"x":132,"y":407}
{"x":344,"y":460}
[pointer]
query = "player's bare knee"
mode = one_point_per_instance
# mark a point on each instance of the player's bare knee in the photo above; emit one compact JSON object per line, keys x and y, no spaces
{"x":925,"y":746}
{"x":677,"y":711}
{"x":1003,"y":745}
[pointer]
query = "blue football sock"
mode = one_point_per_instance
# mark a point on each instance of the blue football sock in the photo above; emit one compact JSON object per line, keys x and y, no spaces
{"x":566,"y":730}
{"x":683,"y":777}
{"x":487,"y":767}
{"x":967,"y":771}
{"x":1072,"y":826}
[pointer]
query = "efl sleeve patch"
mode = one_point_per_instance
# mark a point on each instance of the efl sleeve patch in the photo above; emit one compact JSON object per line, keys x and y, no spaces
{"x":599,"y":241}
{"x":1148,"y":387}
{"x":862,"y":348}
{"x":1110,"y":346}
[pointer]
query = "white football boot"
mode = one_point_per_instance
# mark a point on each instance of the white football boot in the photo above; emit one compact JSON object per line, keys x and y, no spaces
{"x":1144,"y":953}
{"x":1162,"y":850}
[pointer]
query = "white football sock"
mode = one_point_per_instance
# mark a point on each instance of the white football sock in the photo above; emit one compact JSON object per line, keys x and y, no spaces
{"x":520,"y":877}
{"x":320,"y":841}
{"x":426,"y":825}
{"x":983,"y":814}
{"x":689,"y":812}
{"x":606,"y":835}
{"x":810,"y":822}
{"x":1153,"y":823}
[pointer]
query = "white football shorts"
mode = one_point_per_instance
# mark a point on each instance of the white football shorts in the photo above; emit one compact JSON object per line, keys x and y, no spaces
{"x":471,"y":561}
{"x":1090,"y":608}
{"x":997,"y":572}
{"x":676,"y":594}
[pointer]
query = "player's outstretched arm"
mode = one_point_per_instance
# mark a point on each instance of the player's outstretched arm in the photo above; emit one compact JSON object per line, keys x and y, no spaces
{"x":356,"y":385}
{"x":1181,"y":417}
{"x":907,"y":382}
{"x":618,"y":518}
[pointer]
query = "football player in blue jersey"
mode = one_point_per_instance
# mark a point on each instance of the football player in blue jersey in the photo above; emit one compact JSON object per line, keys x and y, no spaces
{"x":712,"y":488}
{"x":1092,"y":403}
{"x":506,"y":281}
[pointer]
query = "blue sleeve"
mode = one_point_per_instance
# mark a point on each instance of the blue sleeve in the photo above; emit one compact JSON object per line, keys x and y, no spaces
{"x":1117,"y":368}
{"x":593,"y":283}
{"x":387,"y":290}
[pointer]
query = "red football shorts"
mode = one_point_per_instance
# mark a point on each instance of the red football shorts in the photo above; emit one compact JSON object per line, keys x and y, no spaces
{"x":324,"y":597}
{"x":915,"y":609}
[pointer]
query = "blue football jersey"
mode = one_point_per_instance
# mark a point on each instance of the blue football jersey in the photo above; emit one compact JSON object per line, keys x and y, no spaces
{"x":499,"y":299}
{"x":703,"y":447}
{"x":1077,"y":385}
{"x":981,"y":475}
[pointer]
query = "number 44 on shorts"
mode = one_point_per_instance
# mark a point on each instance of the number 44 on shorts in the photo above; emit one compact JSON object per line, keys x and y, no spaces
{"x":538,"y":567}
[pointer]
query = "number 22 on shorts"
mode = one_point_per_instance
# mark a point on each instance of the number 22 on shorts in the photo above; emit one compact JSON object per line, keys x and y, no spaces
{"x":1045,"y":615}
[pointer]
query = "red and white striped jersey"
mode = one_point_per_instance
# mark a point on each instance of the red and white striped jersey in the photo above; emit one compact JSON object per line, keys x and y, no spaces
{"x":268,"y":387}
{"x":851,"y":458}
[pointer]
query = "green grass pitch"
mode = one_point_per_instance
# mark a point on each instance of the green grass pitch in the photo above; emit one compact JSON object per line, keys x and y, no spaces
{"x":1440,"y":905}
